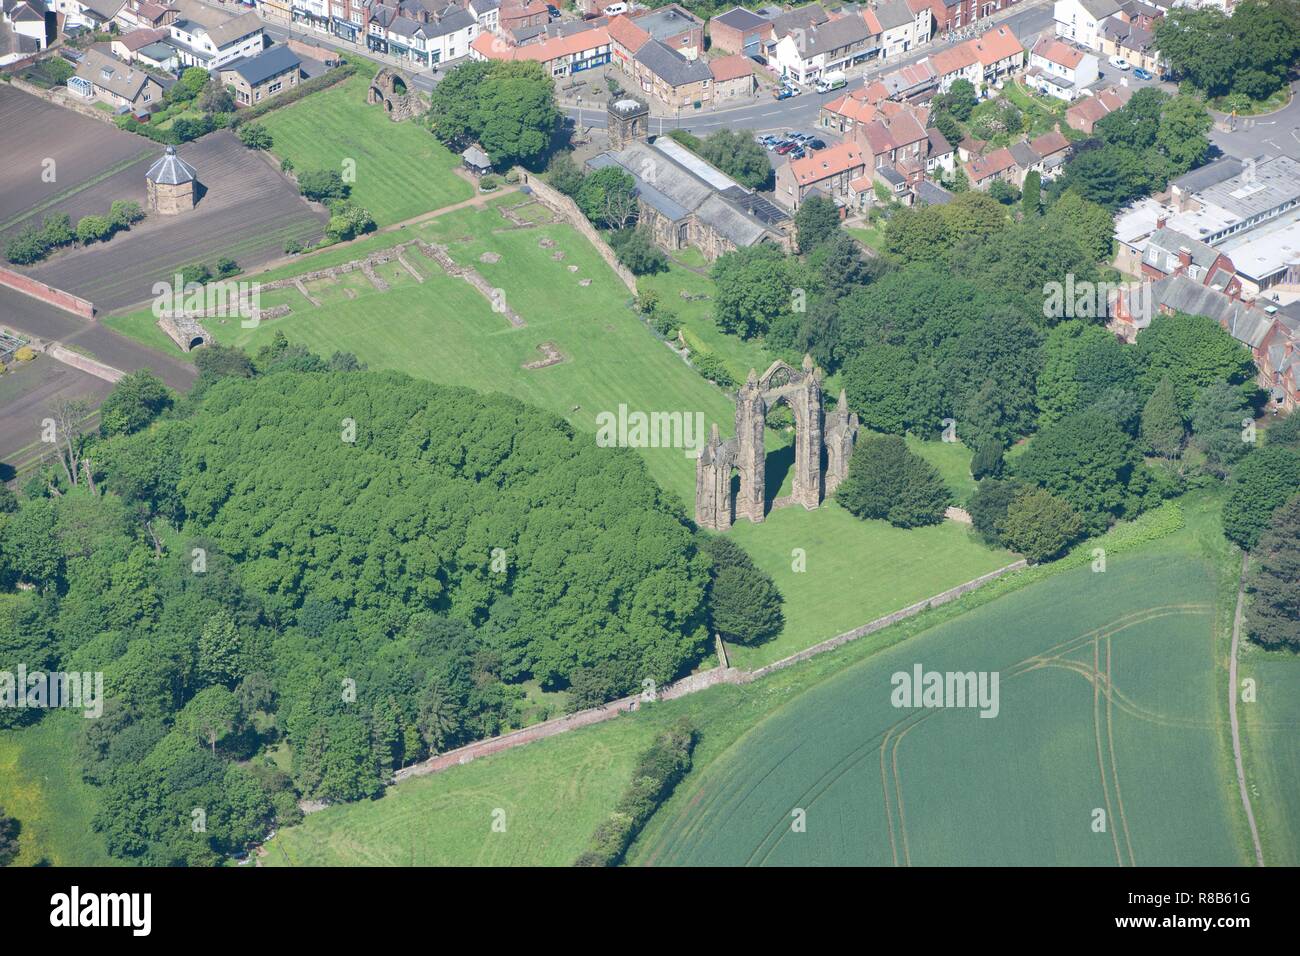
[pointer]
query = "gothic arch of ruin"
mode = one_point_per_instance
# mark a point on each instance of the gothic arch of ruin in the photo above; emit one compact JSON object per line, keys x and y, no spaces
{"x":393,"y":89}
{"x":800,"y":390}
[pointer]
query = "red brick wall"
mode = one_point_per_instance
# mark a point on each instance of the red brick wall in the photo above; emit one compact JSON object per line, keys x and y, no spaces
{"x":47,"y":293}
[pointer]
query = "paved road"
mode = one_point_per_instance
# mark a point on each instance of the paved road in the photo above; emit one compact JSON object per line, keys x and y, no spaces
{"x":1277,"y":133}
{"x":1030,"y":19}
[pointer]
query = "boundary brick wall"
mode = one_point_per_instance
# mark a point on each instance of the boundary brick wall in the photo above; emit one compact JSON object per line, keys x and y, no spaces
{"x":568,"y":210}
{"x":47,"y":294}
{"x":687,"y":685}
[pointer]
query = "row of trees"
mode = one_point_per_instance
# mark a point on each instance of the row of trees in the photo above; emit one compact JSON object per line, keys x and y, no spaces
{"x":34,"y":243}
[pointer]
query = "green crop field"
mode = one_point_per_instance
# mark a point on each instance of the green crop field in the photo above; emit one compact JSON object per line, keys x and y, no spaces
{"x":401,"y":170}
{"x":1109,"y":692}
{"x":1270,"y":727}
{"x":41,"y":786}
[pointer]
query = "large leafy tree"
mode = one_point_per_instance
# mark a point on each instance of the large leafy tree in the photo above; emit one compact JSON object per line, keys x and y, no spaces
{"x":136,"y":400}
{"x":737,"y":154}
{"x":507,"y":107}
{"x":1273,"y":614}
{"x":754,"y":287}
{"x":817,"y":220}
{"x":1192,"y":352}
{"x":1260,"y":483}
{"x":1219,"y":417}
{"x":1039,"y":525}
{"x":887,"y":480}
{"x":744,"y":603}
{"x":1087,"y":460}
{"x":1163,"y":428}
{"x":608,"y":197}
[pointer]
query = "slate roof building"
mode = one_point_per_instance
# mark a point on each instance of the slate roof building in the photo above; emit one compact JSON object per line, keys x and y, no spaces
{"x":686,"y":202}
{"x":255,"y":78}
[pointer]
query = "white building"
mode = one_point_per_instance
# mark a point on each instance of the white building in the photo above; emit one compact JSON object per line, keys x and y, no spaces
{"x":211,"y":38}
{"x":1080,"y":20}
{"x":1061,"y":70}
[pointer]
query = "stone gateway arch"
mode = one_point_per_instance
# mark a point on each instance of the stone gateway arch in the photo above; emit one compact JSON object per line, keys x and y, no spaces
{"x":801,"y":390}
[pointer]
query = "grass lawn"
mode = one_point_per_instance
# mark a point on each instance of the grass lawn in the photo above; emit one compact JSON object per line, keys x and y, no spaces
{"x":872,"y":236}
{"x":41,"y":785}
{"x":856,"y":571}
{"x":952,"y":460}
{"x":447,"y":819}
{"x":401,"y":170}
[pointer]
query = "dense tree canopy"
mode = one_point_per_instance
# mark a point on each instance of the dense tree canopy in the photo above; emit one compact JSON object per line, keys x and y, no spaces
{"x":1273,"y":614}
{"x":507,"y":107}
{"x":1247,"y":53}
{"x":362,"y":566}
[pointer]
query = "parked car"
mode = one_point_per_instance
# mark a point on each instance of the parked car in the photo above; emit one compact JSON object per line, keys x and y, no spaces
{"x":782,"y":93}
{"x":553,"y":11}
{"x":787,"y":146}
{"x":1119,"y":63}
{"x":759,"y":59}
{"x":1142,"y":74}
{"x":797,"y":153}
{"x":815,"y":143}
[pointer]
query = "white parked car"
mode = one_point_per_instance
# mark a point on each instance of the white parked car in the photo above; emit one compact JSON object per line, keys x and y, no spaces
{"x":1119,"y":63}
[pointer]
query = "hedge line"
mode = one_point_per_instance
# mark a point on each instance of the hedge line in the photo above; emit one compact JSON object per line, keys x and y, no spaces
{"x":657,"y":773}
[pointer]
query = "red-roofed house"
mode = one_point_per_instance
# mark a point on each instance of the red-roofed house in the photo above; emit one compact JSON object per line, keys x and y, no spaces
{"x":999,"y":52}
{"x":957,"y":63}
{"x":982,"y":171}
{"x":516,"y":14}
{"x":733,"y":76}
{"x":829,"y":170}
{"x":559,"y":56}
{"x":1085,"y":113}
{"x":625,"y":38}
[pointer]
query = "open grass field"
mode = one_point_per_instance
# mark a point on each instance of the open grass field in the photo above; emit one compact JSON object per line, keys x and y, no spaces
{"x":1270,"y":728}
{"x":856,"y":571}
{"x":1108,"y":700}
{"x":401,"y":170}
{"x":446,"y":819}
{"x":41,"y":786}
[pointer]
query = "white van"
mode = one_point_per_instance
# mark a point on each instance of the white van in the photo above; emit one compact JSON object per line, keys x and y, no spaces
{"x":614,"y":9}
